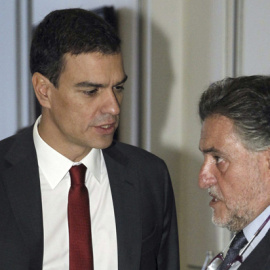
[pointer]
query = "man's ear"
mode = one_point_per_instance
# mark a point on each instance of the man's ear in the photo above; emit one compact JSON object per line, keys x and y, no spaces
{"x":42,"y":86}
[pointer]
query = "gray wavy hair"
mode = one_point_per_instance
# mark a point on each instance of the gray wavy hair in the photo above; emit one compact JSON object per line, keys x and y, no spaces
{"x":246,"y":101}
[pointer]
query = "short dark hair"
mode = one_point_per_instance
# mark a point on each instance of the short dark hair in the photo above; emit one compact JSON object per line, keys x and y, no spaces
{"x":246,"y":101}
{"x":73,"y":31}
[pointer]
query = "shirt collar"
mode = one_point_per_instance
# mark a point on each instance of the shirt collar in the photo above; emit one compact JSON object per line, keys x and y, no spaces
{"x":93,"y":161}
{"x":252,"y":228}
{"x":55,"y":166}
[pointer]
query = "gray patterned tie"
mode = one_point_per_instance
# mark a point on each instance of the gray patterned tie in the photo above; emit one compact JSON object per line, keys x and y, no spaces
{"x":237,"y":244}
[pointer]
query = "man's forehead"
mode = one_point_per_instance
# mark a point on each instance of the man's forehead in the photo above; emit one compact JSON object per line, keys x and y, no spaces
{"x":216,"y":130}
{"x":93,"y":64}
{"x":217,"y":123}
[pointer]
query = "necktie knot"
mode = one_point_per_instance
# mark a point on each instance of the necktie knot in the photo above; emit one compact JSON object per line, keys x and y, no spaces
{"x":77,"y":174}
{"x":239,"y":241}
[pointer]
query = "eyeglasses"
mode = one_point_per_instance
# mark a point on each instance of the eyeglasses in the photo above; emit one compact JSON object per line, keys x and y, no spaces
{"x":215,"y":263}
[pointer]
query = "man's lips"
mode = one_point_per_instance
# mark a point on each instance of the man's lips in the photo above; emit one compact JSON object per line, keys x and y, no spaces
{"x":215,"y":198}
{"x":106,"y":124}
{"x":106,"y":128}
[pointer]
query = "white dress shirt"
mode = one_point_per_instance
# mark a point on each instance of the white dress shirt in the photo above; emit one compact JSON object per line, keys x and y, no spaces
{"x":249,"y":232}
{"x":55,"y":184}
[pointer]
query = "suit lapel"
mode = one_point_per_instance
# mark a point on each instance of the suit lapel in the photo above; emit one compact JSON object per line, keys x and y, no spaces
{"x":125,"y":196}
{"x":21,"y":180}
{"x":259,"y":258}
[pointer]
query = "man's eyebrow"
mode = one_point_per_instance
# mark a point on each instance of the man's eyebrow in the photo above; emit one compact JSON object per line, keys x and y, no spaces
{"x":123,"y":81}
{"x":210,"y":150}
{"x":87,"y":84}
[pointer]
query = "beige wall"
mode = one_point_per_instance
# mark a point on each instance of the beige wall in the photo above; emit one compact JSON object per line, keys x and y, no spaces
{"x":187,"y":44}
{"x":188,"y":51}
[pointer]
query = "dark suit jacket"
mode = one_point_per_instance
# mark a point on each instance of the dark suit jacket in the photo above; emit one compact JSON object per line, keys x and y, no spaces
{"x":259,"y":258}
{"x":142,"y":197}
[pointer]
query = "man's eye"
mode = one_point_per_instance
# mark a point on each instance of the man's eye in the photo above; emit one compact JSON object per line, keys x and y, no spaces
{"x":119,"y":88}
{"x":221,"y":164}
{"x":90,"y":92}
{"x":218,"y":159}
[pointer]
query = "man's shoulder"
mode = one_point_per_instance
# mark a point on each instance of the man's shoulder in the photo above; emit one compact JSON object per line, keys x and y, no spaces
{"x":21,"y":136}
{"x":132,"y":152}
{"x":128,"y":148}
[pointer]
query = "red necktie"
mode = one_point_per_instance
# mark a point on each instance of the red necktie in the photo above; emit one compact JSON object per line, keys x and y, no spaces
{"x":80,"y":240}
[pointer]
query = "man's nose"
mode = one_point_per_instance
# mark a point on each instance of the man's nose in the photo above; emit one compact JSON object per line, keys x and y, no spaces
{"x":206,"y":176}
{"x":111,"y":103}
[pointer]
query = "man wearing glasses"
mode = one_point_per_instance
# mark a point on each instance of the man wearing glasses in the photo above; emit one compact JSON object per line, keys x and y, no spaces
{"x":235,"y":142}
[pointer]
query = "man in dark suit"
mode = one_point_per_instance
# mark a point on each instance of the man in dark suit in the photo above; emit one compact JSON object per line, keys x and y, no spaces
{"x":235,"y":142}
{"x":78,"y":78}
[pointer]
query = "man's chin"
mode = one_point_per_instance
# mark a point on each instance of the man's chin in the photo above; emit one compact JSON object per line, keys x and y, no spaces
{"x":104,"y":145}
{"x":221,"y":219}
{"x":219,"y":222}
{"x":233,"y":224}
